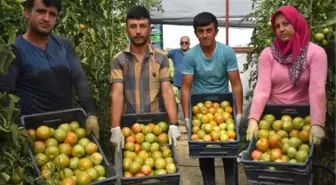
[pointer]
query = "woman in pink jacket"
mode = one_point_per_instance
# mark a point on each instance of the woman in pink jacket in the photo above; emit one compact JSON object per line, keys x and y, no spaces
{"x":291,"y":71}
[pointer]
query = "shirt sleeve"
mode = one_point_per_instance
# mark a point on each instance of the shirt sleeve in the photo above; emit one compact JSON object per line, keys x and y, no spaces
{"x":79,"y":81}
{"x":116,"y":75}
{"x":170,"y":53}
{"x":317,"y":93}
{"x":164,"y":70}
{"x":231,"y":58}
{"x":188,"y":64}
{"x":264,"y":84}
{"x":8,"y":81}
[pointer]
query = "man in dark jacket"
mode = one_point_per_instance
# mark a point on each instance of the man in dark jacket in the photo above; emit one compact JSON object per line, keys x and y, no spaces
{"x":46,"y":67}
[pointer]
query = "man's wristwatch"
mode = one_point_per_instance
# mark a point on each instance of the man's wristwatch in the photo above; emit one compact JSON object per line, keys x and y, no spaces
{"x":176,"y":124}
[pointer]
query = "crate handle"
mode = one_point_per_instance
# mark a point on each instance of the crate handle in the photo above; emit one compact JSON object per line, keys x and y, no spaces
{"x":213,"y":153}
{"x":290,"y":111}
{"x":144,"y":120}
{"x":267,"y":178}
{"x":52,"y":120}
{"x":213,"y":146}
{"x":212,"y":98}
{"x":151,"y":181}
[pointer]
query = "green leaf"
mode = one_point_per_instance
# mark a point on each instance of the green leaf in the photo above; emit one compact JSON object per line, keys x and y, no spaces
{"x":15,"y":135}
{"x":10,"y":108}
{"x":331,"y":108}
{"x":2,"y":166}
{"x":16,"y":113}
{"x":14,"y":98}
{"x":331,"y":21}
{"x":11,"y":34}
{"x":5,"y":176}
{"x":93,"y":34}
{"x":6,"y":57}
{"x":5,"y":5}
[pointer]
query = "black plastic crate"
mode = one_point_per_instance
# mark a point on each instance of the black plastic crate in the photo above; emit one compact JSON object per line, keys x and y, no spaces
{"x":54,"y":119}
{"x":279,"y":173}
{"x":168,"y":179}
{"x":213,"y":149}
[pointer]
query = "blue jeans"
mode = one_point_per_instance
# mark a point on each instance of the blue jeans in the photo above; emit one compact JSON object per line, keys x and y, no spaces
{"x":207,"y":166}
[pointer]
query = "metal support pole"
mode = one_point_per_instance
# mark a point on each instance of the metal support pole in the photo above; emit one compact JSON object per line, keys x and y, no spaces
{"x":227,"y":22}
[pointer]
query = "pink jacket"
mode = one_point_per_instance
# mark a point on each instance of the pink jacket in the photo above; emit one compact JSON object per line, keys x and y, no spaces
{"x":274,"y":86}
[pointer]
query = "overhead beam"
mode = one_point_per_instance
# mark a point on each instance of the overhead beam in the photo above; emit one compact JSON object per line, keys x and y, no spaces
{"x":188,"y":22}
{"x":177,"y":18}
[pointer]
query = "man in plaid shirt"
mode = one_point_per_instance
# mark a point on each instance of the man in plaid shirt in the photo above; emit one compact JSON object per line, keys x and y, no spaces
{"x":140,"y":79}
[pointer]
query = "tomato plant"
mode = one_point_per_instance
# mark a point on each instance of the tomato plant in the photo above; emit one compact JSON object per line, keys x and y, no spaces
{"x":14,"y":160}
{"x":320,"y":15}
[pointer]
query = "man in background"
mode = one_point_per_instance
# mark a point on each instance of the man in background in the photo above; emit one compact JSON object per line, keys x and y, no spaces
{"x":177,"y":56}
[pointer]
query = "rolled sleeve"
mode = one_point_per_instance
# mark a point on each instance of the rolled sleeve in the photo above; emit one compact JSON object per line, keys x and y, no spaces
{"x":232,"y":60}
{"x":171,"y":53}
{"x":164,"y":70}
{"x":188,"y":64}
{"x":116,"y":75}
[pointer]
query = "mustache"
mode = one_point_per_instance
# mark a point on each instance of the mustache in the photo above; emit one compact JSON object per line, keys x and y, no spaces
{"x":45,"y":24}
{"x":138,"y":37}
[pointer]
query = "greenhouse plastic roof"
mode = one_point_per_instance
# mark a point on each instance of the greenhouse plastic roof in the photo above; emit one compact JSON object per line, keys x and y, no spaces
{"x":181,"y":12}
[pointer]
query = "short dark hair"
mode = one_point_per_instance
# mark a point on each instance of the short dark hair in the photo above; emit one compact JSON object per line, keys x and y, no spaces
{"x":29,"y":4}
{"x":204,"y":19}
{"x":138,"y":12}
